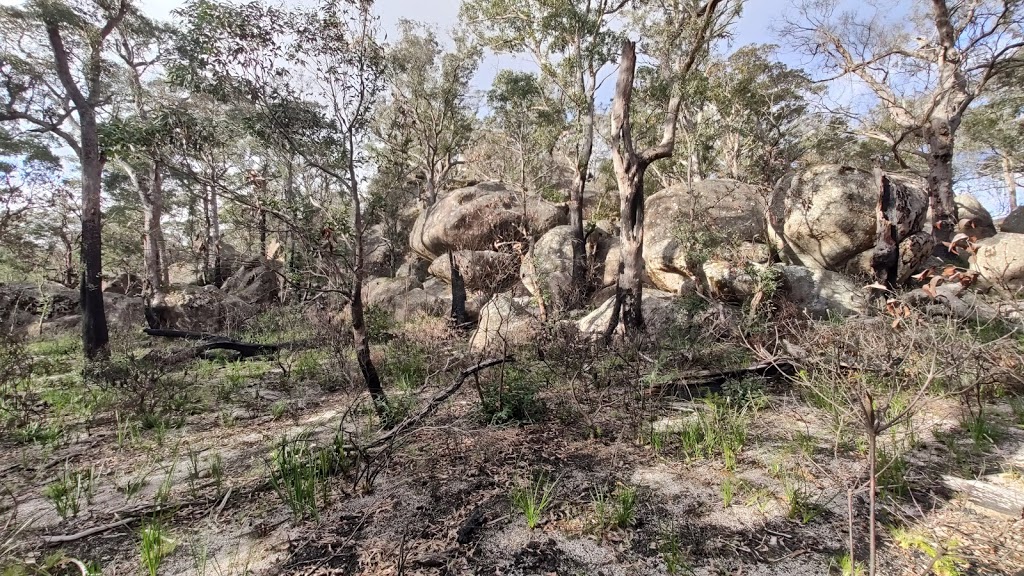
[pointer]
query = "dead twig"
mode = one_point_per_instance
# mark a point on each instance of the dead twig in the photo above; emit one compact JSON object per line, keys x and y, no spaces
{"x":436,"y":401}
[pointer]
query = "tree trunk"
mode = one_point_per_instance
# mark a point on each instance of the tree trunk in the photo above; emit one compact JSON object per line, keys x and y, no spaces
{"x":458,"y":315}
{"x":263,"y":232}
{"x":214,"y":242}
{"x":629,"y":173}
{"x":151,"y":196}
{"x":631,"y":213}
{"x":1011,"y":182}
{"x":885,"y":261}
{"x":361,"y":340}
{"x":941,"y":198}
{"x":579,"y":183}
{"x":94,"y":320}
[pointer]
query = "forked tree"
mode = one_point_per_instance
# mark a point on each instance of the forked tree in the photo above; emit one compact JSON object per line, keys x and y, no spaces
{"x":677,"y":58}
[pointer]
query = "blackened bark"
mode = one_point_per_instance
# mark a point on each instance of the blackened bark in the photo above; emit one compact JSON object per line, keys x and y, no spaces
{"x":95,"y":337}
{"x":458,"y":315}
{"x":214,"y":242}
{"x":579,"y":184}
{"x":885,"y":261}
{"x":361,"y":343}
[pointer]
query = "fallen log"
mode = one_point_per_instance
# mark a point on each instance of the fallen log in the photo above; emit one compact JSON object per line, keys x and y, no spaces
{"x":694,"y":384}
{"x":184,"y":334}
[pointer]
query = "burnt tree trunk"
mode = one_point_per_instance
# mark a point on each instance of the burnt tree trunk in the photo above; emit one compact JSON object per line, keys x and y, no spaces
{"x":579,"y":184}
{"x":458,"y":315}
{"x":360,"y":338}
{"x":885,"y":261}
{"x":630,"y":167}
{"x":94,"y":319}
{"x":214,"y":242}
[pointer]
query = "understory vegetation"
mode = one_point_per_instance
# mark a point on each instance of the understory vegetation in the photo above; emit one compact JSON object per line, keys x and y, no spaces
{"x":605,"y":448}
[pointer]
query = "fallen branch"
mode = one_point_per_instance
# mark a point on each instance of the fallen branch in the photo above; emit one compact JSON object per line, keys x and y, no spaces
{"x":713,"y":380}
{"x":65,"y":538}
{"x":953,"y":300}
{"x":436,"y":401}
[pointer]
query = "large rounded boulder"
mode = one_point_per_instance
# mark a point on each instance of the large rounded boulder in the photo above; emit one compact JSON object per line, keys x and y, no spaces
{"x":975,"y":220}
{"x":824,"y":218}
{"x":1001,"y":259}
{"x":1014,"y":222}
{"x":480,"y":217}
{"x":203,"y":309}
{"x":505,"y":321}
{"x":693,"y":223}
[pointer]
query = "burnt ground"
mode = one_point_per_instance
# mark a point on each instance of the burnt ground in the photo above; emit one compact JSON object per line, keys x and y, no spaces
{"x":439,"y":500}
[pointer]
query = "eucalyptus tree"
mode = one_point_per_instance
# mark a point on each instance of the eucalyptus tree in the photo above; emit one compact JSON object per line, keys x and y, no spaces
{"x":311,"y":79}
{"x":529,"y":120}
{"x":927,"y":68}
{"x":427,"y":118}
{"x":701,"y":25}
{"x":56,"y":79}
{"x":762,"y":109}
{"x":141,"y":133}
{"x":994,"y":129}
{"x":570,"y":41}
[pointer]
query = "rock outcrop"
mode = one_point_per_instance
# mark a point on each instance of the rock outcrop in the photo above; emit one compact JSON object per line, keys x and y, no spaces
{"x":975,"y":220}
{"x":126,"y":283}
{"x":256,"y":282}
{"x":1014,"y":222}
{"x":1000,"y":259}
{"x":824,"y":218}
{"x":203,"y":309}
{"x":479,"y":218}
{"x":695,"y":223}
{"x":821,"y":293}
{"x":505,"y":320}
{"x":21,"y":302}
{"x":659,"y":309}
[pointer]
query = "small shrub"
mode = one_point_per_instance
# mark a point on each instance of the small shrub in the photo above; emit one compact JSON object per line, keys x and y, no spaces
{"x":1017,"y":407}
{"x":615,"y":510}
{"x":150,"y":388}
{"x":892,"y":469}
{"x":729,"y":488}
{"x":944,"y":559}
{"x":407,"y":364}
{"x":512,"y":399}
{"x":532,"y":500}
{"x":984,"y":431}
{"x":720,"y":429}
{"x":672,"y":553}
{"x":847,"y":566}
